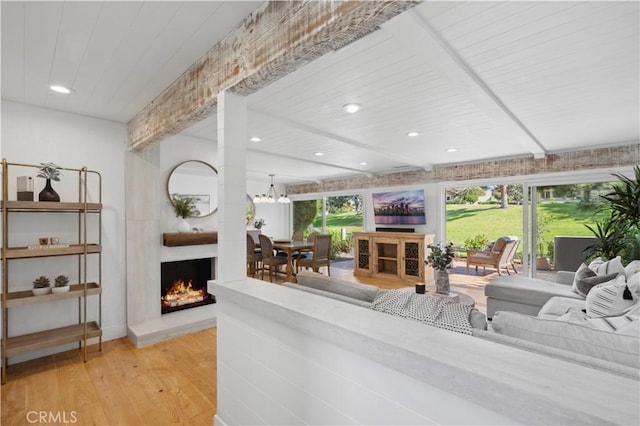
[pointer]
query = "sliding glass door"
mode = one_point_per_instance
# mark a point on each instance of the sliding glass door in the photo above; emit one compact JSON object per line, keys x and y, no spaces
{"x":338,"y":215}
{"x":551,"y":219}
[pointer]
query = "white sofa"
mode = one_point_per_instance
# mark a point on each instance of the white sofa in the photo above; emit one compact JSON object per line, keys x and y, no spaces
{"x":579,"y":343}
{"x":527,"y":295}
{"x":542,"y":334}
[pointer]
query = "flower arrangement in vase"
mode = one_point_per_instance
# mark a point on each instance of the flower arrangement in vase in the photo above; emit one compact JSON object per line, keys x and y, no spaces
{"x":439,"y":258}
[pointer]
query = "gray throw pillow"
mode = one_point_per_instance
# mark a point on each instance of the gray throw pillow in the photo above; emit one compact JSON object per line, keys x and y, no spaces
{"x":586,"y":279}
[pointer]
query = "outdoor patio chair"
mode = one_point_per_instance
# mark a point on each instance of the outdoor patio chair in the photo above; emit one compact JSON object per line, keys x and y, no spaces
{"x":321,"y":255}
{"x":500,"y":256}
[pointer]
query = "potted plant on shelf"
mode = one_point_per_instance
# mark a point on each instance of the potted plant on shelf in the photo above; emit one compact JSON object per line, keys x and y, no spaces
{"x":60,"y":284}
{"x":41,"y":285}
{"x":184,"y":207}
{"x":49,"y":171}
{"x":439,"y":258}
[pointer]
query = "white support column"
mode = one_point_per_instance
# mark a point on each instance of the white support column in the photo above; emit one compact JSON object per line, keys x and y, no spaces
{"x":232,"y":187}
{"x":144,"y":232}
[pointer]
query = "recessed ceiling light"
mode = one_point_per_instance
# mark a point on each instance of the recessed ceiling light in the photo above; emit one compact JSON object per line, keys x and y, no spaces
{"x":364,"y":163}
{"x":318,"y":154}
{"x":351,"y":108}
{"x":255,"y":139}
{"x":60,"y":89}
{"x":413,"y":134}
{"x":451,"y":150}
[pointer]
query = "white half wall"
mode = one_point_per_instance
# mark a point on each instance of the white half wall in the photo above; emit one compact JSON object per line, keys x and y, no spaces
{"x":291,"y":357}
{"x":37,"y":135}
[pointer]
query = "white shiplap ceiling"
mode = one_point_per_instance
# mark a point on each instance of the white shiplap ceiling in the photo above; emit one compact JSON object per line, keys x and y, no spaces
{"x":490,"y":79}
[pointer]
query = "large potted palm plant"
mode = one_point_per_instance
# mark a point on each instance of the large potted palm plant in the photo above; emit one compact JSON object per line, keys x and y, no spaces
{"x":619,"y":233}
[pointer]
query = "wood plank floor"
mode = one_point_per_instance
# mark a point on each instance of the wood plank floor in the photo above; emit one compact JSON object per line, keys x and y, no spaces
{"x":172,"y":382}
{"x":169,"y":383}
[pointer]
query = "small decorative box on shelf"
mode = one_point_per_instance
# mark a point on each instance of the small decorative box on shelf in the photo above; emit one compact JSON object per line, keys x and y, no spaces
{"x":174,"y":239}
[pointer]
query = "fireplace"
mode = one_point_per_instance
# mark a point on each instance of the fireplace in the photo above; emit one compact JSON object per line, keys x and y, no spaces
{"x":183,"y":284}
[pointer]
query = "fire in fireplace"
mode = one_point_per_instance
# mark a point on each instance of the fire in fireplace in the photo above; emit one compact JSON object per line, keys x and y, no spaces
{"x":184,"y":284}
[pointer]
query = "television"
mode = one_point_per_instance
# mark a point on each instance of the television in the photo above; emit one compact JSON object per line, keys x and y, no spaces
{"x":399,"y":207}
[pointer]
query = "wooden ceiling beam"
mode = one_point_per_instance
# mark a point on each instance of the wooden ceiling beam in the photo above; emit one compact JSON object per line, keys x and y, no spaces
{"x":275,"y":40}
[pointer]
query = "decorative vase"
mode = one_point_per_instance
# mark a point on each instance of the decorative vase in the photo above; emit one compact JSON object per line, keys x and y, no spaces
{"x":41,"y":291}
{"x":62,"y":289}
{"x":420,"y":288}
{"x":183,"y":226}
{"x":48,"y":194}
{"x":442,"y":281}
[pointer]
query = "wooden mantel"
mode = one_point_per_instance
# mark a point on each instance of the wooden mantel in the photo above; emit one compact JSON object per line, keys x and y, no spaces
{"x":174,"y":239}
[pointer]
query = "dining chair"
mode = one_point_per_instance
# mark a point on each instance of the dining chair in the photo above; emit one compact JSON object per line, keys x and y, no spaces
{"x":310,"y":239}
{"x":321,"y":255}
{"x":253,"y":257}
{"x":268,"y":258}
{"x":296,"y":236}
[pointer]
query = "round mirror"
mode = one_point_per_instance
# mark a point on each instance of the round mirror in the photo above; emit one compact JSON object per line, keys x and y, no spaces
{"x":197,"y":180}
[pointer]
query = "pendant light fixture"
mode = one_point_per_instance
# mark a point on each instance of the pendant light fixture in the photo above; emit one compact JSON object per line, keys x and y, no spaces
{"x":271,"y":196}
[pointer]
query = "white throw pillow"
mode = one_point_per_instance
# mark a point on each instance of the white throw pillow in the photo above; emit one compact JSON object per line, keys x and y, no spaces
{"x":632,"y":272}
{"x":633,"y":281}
{"x":601,"y":267}
{"x":632,"y":268}
{"x":607,"y":299}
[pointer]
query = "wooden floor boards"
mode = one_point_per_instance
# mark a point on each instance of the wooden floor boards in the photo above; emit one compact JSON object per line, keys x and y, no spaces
{"x":172,"y":382}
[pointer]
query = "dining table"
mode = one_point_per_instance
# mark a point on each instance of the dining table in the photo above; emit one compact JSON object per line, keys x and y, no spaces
{"x":290,"y":247}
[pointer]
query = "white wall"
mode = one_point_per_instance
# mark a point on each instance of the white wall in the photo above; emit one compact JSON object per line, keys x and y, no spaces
{"x":34,"y":135}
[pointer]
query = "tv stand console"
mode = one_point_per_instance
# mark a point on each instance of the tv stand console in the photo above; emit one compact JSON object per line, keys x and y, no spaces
{"x":393,"y":255}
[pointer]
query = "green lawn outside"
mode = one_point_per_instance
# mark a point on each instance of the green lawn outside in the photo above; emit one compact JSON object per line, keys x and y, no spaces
{"x":336,"y":221}
{"x":465,"y":221}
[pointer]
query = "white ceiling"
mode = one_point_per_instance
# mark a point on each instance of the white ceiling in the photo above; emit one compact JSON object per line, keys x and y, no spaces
{"x":489,"y":79}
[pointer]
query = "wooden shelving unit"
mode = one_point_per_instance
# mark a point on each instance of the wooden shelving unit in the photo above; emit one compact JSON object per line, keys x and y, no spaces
{"x":22,"y":298}
{"x":25,"y":252}
{"x":54,"y":337}
{"x":84,"y":329}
